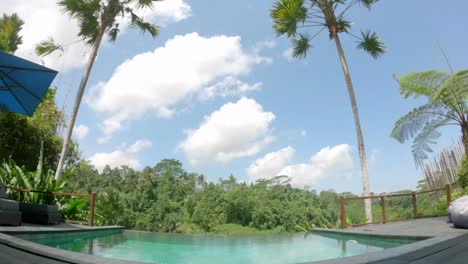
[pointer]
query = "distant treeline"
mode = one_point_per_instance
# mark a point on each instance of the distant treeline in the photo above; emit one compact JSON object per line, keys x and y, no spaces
{"x":166,"y":198}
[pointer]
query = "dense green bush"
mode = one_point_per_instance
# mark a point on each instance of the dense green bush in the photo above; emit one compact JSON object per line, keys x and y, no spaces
{"x":462,"y":173}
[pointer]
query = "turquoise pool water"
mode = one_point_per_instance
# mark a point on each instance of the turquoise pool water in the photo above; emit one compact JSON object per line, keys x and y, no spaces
{"x":206,"y":249}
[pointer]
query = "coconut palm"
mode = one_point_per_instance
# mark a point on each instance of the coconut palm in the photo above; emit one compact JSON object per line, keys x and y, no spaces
{"x":295,"y":18}
{"x":96,"y":18}
{"x":10,"y":26}
{"x":447,"y":95}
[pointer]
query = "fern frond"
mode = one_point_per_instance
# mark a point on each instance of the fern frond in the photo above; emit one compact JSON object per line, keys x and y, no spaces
{"x":410,"y":124}
{"x":428,"y":136}
{"x":421,"y":83}
{"x":454,"y":91}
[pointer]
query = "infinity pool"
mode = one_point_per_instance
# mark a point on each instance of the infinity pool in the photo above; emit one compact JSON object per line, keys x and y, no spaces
{"x":176,"y":248}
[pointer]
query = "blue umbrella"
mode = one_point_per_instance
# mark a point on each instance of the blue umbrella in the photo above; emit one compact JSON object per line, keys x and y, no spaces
{"x":23,"y":84}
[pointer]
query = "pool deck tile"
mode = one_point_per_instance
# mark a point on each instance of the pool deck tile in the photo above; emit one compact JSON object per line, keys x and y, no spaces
{"x":445,"y":244}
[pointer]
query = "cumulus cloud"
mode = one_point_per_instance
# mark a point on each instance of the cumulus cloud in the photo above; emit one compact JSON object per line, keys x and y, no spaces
{"x":119,"y":157}
{"x":45,"y":18}
{"x":328,"y":162}
{"x":80,"y":131}
{"x":271,"y":164}
{"x":235,"y":130}
{"x":155,"y":82}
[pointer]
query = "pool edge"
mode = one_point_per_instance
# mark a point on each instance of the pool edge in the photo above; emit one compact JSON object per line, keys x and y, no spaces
{"x":59,"y":254}
{"x":426,"y":245}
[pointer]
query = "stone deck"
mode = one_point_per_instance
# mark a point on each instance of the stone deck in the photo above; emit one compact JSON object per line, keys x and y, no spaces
{"x":444,"y":243}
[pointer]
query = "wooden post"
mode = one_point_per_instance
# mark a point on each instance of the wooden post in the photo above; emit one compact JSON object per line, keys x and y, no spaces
{"x":91,"y":208}
{"x":415,"y":209}
{"x":343,"y":212}
{"x":449,"y":194}
{"x":384,"y":217}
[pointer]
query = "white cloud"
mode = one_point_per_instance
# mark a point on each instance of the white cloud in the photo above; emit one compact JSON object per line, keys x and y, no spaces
{"x":287,"y":54}
{"x":123,"y":156}
{"x":272,"y":163}
{"x":80,"y":131}
{"x":328,"y":162}
{"x":235,"y":130}
{"x":155,"y":82}
{"x":44,"y":18}
{"x":230,"y":86}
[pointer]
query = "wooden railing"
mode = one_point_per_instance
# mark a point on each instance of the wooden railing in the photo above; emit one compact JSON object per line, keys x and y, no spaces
{"x":343,"y":199}
{"x":92,"y":200}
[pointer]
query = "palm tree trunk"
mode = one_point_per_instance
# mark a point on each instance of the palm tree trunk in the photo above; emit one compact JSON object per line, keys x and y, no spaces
{"x":76,"y":105}
{"x":465,"y":138}
{"x":357,"y":124}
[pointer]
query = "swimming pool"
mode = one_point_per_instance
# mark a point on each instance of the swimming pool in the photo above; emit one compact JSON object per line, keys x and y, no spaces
{"x":176,"y":248}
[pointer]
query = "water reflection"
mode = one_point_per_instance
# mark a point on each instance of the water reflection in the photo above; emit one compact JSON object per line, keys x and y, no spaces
{"x":207,"y":249}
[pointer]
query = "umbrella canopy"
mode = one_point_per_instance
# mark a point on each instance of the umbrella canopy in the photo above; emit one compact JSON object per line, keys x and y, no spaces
{"x":23,"y":84}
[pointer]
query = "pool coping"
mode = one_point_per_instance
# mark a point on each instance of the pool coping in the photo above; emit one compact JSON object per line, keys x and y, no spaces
{"x":62,"y":255}
{"x":441,"y":242}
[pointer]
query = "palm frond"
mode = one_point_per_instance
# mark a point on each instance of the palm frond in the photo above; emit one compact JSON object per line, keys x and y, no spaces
{"x":10,"y":26}
{"x":47,"y":47}
{"x":286,"y":15}
{"x":87,"y":12}
{"x":410,"y":124}
{"x":425,"y":83}
{"x":372,"y":44}
{"x":343,"y":25}
{"x":368,"y":3}
{"x":300,"y":46}
{"x":146,"y":3}
{"x":427,"y":136}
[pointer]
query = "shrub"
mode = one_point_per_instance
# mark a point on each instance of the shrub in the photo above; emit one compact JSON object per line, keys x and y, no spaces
{"x":462,"y":173}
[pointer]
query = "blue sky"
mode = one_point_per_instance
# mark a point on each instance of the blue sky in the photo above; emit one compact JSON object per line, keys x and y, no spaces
{"x":222,"y":96}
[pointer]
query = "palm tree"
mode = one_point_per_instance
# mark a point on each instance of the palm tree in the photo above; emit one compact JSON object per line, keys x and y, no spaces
{"x":294,"y":18}
{"x":447,"y":95}
{"x":96,"y":19}
{"x":10,"y":26}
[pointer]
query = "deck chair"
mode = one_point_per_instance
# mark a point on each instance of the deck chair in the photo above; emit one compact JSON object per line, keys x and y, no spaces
{"x":9,"y":209}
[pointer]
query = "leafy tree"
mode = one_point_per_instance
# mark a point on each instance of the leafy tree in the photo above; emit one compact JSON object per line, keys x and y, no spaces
{"x":166,"y":198}
{"x":447,"y":95}
{"x":294,"y":18}
{"x":96,"y":18}
{"x":21,"y":136}
{"x":10,"y":26}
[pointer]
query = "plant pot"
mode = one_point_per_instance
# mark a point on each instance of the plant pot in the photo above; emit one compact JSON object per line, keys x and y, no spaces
{"x":40,"y":213}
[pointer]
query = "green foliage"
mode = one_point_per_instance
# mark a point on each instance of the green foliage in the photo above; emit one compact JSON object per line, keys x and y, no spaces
{"x":446,"y":94}
{"x":166,"y":198}
{"x":441,"y":207}
{"x":10,"y":26}
{"x":462,"y":173}
{"x":21,"y":136}
{"x":97,"y":17}
{"x":371,"y":43}
{"x":47,"y":47}
{"x":294,"y":18}
{"x":76,"y":208}
{"x":41,"y":180}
